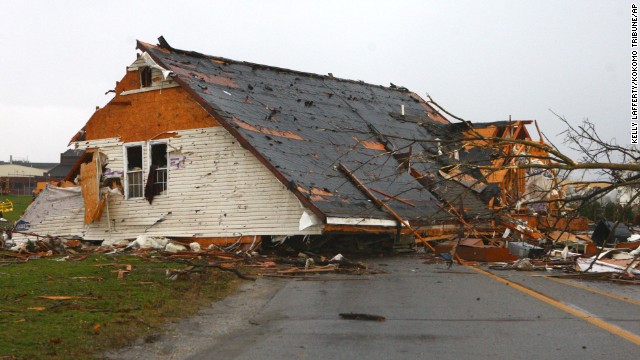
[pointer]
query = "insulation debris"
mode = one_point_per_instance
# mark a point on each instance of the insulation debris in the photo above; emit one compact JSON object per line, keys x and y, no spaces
{"x":613,"y":260}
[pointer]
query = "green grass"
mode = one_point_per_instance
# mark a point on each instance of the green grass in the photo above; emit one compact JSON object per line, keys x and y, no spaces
{"x":109,"y":313}
{"x":20,"y":203}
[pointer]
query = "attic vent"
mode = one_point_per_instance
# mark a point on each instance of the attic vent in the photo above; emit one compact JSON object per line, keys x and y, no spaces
{"x":145,"y":76}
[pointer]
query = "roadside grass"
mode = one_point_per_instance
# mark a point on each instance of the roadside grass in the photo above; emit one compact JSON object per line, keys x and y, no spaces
{"x":20,"y":203}
{"x":105,"y":313}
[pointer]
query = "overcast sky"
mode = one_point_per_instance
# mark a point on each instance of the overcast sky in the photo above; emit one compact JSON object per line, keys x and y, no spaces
{"x":482,"y":60}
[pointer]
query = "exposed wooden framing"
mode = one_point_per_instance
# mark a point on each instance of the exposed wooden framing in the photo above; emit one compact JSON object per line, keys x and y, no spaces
{"x":519,"y":128}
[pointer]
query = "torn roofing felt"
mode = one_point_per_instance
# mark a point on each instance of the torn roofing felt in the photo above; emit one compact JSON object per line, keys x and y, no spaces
{"x":303,"y":126}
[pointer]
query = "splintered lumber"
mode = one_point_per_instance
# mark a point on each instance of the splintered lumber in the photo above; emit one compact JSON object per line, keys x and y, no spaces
{"x":357,"y":316}
{"x":57,"y":298}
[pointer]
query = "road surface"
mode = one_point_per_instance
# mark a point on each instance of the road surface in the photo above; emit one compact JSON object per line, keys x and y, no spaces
{"x":431,"y":312}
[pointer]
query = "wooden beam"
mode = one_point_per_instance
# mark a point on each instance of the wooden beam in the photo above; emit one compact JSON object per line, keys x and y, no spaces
{"x":381,"y":204}
{"x":393,"y":197}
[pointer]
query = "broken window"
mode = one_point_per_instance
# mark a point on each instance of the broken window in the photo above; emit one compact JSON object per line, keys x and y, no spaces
{"x":145,"y":76}
{"x":134,"y":183}
{"x":159,"y":163}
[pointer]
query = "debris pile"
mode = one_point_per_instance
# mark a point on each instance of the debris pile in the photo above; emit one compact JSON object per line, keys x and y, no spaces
{"x":246,"y":264}
{"x":611,"y":251}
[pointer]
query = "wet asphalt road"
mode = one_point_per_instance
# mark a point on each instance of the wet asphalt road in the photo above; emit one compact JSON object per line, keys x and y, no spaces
{"x":433,"y":312}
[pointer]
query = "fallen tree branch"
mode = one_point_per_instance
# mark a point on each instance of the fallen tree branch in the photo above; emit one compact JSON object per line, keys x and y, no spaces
{"x":215,"y":266}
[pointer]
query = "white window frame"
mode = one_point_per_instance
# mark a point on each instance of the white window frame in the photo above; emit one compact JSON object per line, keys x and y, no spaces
{"x":155,"y":142}
{"x":125,"y":161}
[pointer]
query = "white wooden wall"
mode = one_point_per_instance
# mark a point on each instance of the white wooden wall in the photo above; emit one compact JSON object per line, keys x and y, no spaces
{"x":216,"y":188}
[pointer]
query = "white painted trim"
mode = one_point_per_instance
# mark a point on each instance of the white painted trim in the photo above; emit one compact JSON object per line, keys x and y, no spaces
{"x":125,"y":163}
{"x":150,"y":88}
{"x":361,"y":222}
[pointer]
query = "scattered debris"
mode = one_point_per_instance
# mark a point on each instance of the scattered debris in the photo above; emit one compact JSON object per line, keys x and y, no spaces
{"x":356,"y":316}
{"x":613,"y":260}
{"x":475,"y":249}
{"x":523,"y":265}
{"x":511,"y":245}
{"x":60,"y":298}
{"x":525,"y":250}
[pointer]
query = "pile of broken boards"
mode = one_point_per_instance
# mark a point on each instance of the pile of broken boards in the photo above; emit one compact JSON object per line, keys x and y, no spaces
{"x":605,"y":254}
{"x":246,"y":263}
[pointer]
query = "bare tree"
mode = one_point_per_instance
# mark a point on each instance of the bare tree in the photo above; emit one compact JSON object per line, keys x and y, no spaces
{"x":514,"y":160}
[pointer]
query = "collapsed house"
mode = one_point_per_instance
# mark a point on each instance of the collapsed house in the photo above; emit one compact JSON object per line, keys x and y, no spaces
{"x":207,"y":149}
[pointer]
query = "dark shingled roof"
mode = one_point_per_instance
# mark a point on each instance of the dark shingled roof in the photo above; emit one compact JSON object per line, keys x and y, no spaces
{"x":302,"y":126}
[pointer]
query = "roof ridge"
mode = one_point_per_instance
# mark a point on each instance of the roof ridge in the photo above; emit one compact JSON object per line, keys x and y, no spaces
{"x":144,"y":45}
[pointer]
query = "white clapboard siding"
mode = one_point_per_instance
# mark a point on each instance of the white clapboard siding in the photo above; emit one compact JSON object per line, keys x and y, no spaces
{"x":140,"y":62}
{"x":219,"y":190}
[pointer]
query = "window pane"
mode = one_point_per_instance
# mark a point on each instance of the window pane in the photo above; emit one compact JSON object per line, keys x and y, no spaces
{"x":145,"y":76}
{"x":159,"y":159}
{"x":134,"y":172}
{"x":160,"y":186}
{"x":159,"y":155}
{"x":135,"y":183}
{"x":134,"y":158}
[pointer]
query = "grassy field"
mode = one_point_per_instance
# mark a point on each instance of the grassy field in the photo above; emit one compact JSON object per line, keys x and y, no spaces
{"x":20,"y":203}
{"x":102,"y":311}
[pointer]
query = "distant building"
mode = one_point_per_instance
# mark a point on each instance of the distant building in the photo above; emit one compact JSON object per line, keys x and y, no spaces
{"x":20,"y":177}
{"x":67,"y":160}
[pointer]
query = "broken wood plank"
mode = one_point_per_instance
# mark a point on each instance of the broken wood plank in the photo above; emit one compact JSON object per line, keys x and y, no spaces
{"x":392,"y":197}
{"x":380,"y":203}
{"x":67,"y":297}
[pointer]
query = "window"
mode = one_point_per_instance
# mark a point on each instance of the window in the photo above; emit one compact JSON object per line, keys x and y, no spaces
{"x":145,"y":76}
{"x":134,"y":183}
{"x":150,"y":160}
{"x":159,"y":165}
